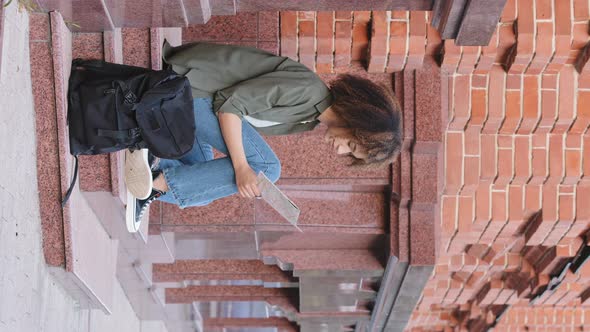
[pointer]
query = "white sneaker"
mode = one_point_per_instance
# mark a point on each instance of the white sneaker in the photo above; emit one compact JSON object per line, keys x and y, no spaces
{"x":138,"y":175}
{"x":131,"y":215}
{"x":137,"y":209}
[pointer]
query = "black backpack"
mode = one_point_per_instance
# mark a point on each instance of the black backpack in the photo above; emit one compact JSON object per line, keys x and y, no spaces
{"x":112,"y":107}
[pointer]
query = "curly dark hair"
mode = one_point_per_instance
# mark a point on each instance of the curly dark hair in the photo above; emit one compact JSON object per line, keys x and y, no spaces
{"x":372,"y":113}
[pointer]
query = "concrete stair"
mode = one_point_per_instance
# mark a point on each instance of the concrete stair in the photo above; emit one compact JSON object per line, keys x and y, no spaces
{"x":86,"y":244}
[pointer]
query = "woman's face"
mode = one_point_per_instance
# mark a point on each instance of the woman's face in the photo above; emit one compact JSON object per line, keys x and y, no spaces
{"x":340,"y":142}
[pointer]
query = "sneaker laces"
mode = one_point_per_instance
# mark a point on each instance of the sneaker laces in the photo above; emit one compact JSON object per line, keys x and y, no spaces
{"x":147,"y":203}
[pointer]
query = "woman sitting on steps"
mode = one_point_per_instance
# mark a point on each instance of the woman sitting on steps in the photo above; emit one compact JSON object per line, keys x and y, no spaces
{"x":242,"y":92}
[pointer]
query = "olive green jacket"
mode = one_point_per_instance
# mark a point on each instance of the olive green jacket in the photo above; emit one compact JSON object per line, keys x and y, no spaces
{"x":251,"y":82}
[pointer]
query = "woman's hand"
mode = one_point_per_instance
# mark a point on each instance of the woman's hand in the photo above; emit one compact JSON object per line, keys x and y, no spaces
{"x":246,"y":181}
{"x":231,"y":129}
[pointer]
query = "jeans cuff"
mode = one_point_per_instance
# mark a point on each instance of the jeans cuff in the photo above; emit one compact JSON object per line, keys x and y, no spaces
{"x":171,"y":186}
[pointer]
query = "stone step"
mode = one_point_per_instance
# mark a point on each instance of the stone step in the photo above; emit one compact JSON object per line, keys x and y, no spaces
{"x":197,"y":11}
{"x":153,"y":326}
{"x":101,"y":176}
{"x":93,"y":16}
{"x":161,"y":248}
{"x":98,"y":16}
{"x":94,"y":218}
{"x":73,"y":235}
{"x":223,"y":7}
{"x":138,"y":47}
{"x":94,"y":170}
{"x":104,"y":173}
{"x":144,"y":271}
{"x":146,"y":298}
{"x":113,"y":52}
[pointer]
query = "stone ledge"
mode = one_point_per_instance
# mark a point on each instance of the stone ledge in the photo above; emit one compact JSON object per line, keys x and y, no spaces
{"x":66,"y":232}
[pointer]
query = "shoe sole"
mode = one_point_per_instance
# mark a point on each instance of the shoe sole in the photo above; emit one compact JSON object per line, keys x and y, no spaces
{"x":132,"y":226}
{"x":138,"y":175}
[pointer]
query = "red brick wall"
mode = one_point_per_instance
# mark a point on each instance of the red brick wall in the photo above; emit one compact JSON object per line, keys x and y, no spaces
{"x":516,"y":182}
{"x":505,"y":160}
{"x":388,"y":41}
{"x":529,"y":39}
{"x":325,"y":41}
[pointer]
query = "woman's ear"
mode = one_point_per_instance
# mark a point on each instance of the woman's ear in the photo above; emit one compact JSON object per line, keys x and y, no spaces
{"x":331,"y":119}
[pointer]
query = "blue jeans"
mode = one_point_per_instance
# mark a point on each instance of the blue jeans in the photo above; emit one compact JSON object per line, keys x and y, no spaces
{"x":197,"y":179}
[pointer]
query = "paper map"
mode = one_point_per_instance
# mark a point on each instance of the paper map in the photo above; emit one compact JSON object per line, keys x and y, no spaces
{"x":278,"y":201}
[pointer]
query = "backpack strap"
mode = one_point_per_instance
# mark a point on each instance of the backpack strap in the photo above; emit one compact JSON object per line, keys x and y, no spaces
{"x":127,"y":135}
{"x":167,"y":88}
{"x":129,"y":97}
{"x":71,"y":188}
